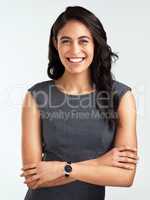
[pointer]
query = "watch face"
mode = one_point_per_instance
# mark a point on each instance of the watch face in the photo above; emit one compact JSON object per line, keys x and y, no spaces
{"x":68,"y":168}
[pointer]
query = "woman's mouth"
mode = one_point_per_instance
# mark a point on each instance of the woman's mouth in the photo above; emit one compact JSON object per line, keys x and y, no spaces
{"x":76,"y":60}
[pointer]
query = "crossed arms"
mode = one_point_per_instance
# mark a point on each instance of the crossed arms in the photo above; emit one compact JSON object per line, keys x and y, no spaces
{"x":115,"y":168}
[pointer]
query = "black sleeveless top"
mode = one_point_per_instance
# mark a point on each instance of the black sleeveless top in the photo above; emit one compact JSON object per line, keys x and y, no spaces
{"x":71,"y":129}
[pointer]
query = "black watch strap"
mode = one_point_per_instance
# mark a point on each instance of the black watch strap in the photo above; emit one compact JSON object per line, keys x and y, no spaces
{"x":67,"y":169}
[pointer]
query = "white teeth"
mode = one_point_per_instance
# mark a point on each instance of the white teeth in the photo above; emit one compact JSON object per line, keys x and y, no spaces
{"x":75,"y":60}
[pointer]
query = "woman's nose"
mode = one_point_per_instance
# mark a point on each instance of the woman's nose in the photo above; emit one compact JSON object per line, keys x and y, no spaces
{"x":75,"y":48}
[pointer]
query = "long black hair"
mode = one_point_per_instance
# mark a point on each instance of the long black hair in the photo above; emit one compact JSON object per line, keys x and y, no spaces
{"x":102,"y":61}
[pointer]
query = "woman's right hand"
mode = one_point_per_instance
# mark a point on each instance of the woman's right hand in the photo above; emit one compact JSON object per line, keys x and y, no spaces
{"x":47,"y":184}
{"x":123,"y":157}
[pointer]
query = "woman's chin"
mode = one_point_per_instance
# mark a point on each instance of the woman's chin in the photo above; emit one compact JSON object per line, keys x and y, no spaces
{"x":75,"y":70}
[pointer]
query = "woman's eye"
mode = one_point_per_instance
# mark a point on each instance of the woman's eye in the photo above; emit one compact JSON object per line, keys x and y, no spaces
{"x":65,"y":41}
{"x":84,"y":41}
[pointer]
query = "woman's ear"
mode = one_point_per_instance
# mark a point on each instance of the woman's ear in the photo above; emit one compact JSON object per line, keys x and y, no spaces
{"x":54,"y":42}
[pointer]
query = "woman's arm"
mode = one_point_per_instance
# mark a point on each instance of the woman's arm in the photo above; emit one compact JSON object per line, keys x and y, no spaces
{"x":125,"y":136}
{"x":126,"y":131}
{"x":31,"y":136}
{"x":113,"y":158}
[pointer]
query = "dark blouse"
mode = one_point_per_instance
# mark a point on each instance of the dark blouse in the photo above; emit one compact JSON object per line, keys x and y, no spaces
{"x":71,"y":129}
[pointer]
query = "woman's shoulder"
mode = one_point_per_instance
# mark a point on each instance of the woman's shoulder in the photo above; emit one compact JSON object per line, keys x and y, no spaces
{"x":40,"y":85}
{"x":117,"y":85}
{"x":40,"y":91}
{"x":120,"y":88}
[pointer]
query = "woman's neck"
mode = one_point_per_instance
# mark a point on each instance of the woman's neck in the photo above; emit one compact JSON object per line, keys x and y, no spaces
{"x":76,"y":84}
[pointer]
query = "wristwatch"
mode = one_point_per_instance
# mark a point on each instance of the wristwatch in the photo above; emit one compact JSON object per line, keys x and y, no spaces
{"x":67,"y":169}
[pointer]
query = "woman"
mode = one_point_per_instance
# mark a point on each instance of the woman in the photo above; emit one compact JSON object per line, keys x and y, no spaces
{"x":78,"y":129}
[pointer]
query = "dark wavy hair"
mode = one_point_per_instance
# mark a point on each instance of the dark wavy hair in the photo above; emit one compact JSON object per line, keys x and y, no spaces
{"x":102,"y":61}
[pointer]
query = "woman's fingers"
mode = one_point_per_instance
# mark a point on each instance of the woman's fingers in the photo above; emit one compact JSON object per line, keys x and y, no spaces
{"x":126,"y":148}
{"x":29,"y":166}
{"x":125,"y":157}
{"x":128,"y":152}
{"x":127,"y":160}
{"x":32,"y":178}
{"x":124,"y":166}
{"x":129,"y":155}
{"x":29,"y":172}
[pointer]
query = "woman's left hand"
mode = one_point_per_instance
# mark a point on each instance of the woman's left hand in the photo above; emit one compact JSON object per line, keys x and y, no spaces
{"x":42,"y":172}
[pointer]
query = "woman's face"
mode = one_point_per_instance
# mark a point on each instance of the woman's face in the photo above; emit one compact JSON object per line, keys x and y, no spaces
{"x":75,"y":46}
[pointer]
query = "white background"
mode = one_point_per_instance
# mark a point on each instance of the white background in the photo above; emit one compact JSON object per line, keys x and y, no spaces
{"x":24,"y":35}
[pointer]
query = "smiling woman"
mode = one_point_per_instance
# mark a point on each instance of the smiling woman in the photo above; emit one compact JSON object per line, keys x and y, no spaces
{"x":75,"y":156}
{"x":75,"y":46}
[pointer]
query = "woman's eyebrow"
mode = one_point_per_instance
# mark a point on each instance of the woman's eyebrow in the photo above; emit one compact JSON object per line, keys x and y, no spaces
{"x":84,"y":36}
{"x":81,"y":37}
